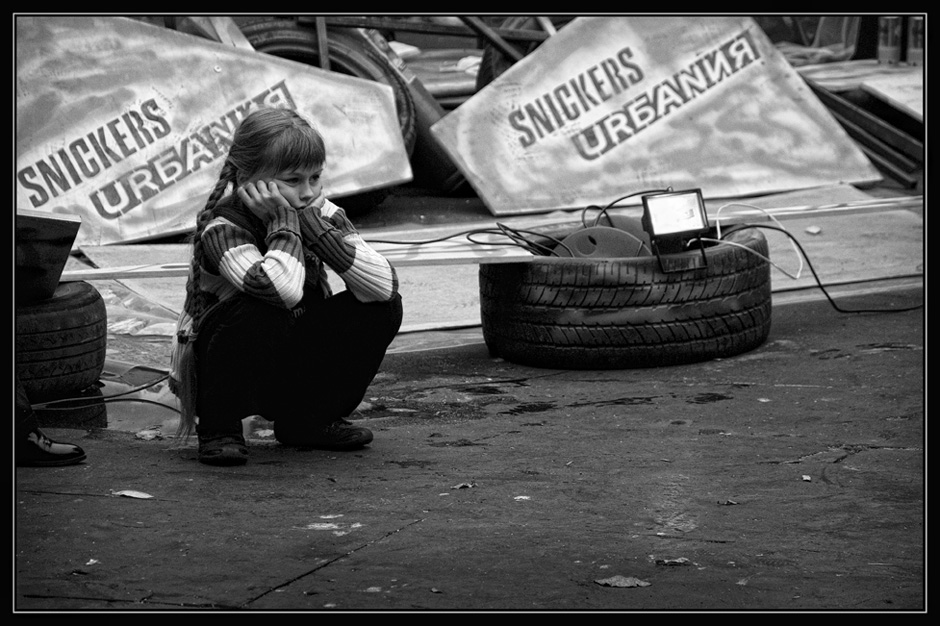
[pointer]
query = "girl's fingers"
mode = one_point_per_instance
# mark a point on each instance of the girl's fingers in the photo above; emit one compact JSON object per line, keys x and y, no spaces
{"x":258,"y":190}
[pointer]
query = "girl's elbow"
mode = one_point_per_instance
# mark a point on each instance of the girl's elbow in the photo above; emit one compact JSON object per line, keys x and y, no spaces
{"x":291,"y":301}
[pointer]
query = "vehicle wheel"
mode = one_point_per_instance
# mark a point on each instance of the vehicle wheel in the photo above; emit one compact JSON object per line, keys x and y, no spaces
{"x":348,"y":54}
{"x":85,"y":409}
{"x":493,"y":62}
{"x":61,"y":342}
{"x":622,"y":313}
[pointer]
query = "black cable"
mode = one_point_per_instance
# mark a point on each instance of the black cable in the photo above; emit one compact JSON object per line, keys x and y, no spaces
{"x":611,"y":204}
{"x":813,"y":270}
{"x":534,"y":246}
{"x":427,"y":241}
{"x":517,"y":236}
{"x":514,"y":235}
{"x":82,"y":403}
{"x":79,"y":402}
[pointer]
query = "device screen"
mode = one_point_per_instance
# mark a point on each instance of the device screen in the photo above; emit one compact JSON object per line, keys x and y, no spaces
{"x":676,"y":212}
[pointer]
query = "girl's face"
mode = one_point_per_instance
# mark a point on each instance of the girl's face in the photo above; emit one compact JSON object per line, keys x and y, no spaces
{"x":299,"y":186}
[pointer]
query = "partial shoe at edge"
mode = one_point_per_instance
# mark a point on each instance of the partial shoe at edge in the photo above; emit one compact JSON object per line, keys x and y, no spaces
{"x":38,"y":450}
{"x":223,"y":450}
{"x":340,"y":435}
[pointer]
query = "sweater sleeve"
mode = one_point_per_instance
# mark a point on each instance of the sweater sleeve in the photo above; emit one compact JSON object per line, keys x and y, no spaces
{"x":277,"y":276}
{"x":329,"y":234}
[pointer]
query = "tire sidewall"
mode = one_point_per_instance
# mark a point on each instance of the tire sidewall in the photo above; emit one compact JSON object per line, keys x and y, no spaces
{"x":618,"y":313}
{"x":348,"y":54}
{"x":61,"y":342}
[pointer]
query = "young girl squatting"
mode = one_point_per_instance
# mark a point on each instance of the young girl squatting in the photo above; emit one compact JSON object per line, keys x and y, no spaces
{"x":261,"y":332}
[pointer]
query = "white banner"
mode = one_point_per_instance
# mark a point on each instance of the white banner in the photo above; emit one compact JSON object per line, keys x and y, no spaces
{"x":610,"y":106}
{"x":126,"y":124}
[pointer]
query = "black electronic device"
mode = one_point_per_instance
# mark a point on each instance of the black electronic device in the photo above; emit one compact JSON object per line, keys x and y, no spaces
{"x":673,"y":218}
{"x":43,"y":244}
{"x":600,"y":242}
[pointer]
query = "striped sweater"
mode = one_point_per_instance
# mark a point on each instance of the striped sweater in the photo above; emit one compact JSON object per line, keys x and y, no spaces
{"x":279,"y":261}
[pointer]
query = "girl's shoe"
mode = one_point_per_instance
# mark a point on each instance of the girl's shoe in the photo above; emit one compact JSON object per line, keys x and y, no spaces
{"x":341,"y":435}
{"x":223,"y":450}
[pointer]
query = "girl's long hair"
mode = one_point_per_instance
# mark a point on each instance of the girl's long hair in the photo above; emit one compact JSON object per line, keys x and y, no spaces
{"x":268,"y":141}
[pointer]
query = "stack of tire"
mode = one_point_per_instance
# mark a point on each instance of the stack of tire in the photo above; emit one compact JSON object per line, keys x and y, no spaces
{"x":61,"y":342}
{"x":624,"y":313}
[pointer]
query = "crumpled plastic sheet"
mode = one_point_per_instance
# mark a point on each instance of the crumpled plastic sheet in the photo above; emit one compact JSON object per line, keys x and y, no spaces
{"x":130,"y":313}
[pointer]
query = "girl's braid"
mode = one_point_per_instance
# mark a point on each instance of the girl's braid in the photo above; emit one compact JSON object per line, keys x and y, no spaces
{"x":226,"y":176}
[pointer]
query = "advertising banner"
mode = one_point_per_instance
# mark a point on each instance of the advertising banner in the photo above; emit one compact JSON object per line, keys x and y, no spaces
{"x":126,"y":124}
{"x":611,"y":106}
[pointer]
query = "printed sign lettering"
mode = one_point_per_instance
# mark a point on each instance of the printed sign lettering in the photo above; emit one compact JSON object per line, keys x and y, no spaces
{"x":94,"y":154}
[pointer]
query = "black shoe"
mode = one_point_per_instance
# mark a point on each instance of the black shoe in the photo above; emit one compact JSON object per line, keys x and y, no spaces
{"x":340,"y":435}
{"x":37,"y":450}
{"x":223,"y":450}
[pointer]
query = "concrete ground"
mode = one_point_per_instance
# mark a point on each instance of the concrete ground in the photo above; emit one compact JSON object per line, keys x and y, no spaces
{"x":788,"y":478}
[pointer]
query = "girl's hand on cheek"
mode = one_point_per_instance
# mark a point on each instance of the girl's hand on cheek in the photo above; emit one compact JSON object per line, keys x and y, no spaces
{"x":263,"y":199}
{"x":317,"y":203}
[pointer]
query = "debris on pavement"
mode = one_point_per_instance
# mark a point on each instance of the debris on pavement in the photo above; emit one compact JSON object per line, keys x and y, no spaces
{"x":130,"y":493}
{"x":807,"y":478}
{"x":149,"y":434}
{"x":622,"y":581}
{"x":726,"y":502}
{"x":464,"y":485}
{"x":680,"y":561}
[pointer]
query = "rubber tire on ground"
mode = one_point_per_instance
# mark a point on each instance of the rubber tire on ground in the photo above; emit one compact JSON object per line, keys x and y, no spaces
{"x":623,"y":313}
{"x":61,"y":342}
{"x":493,"y":62}
{"x":85,"y":409}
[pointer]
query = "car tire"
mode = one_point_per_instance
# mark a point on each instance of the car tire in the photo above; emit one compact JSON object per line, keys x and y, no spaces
{"x":493,"y":62}
{"x":284,"y":37}
{"x":85,"y":409}
{"x":61,"y":342}
{"x":622,"y":313}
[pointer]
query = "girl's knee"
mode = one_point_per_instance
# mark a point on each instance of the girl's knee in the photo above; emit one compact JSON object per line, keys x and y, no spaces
{"x":397,"y":312}
{"x":381,"y":320}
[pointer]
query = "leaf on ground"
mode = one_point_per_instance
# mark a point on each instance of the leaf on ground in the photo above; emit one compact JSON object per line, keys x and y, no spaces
{"x":680,"y":561}
{"x":130,"y":493}
{"x":622,"y":581}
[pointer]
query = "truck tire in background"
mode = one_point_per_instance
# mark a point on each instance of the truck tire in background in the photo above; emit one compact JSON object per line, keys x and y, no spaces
{"x":61,"y":342}
{"x":623,"y":313}
{"x":284,"y":37}
{"x":493,"y":62}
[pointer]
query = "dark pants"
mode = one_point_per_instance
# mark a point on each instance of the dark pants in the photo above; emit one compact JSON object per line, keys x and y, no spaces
{"x":26,"y":421}
{"x":300,"y":372}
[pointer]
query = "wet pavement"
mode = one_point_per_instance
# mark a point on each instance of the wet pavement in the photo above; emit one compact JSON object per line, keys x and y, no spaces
{"x":788,"y":478}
